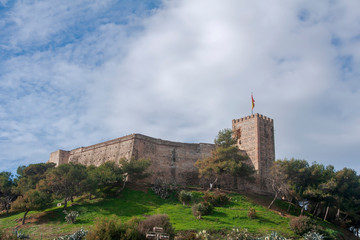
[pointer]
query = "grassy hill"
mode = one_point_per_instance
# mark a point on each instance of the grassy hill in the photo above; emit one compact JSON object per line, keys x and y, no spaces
{"x":51,"y":223}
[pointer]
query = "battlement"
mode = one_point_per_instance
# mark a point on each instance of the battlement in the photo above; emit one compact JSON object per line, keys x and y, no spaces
{"x":257,"y":115}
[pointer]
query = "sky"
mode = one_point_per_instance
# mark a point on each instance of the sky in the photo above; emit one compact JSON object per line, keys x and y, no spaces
{"x":76,"y":73}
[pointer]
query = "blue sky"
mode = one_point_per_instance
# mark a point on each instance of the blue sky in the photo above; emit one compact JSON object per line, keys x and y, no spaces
{"x":75,"y":73}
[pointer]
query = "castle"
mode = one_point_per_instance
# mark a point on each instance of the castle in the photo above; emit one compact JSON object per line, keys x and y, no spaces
{"x":173,"y":162}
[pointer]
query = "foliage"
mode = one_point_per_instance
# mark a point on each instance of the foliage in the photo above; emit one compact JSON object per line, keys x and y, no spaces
{"x":107,"y":229}
{"x":78,"y":235}
{"x":161,"y":188}
{"x":20,"y":235}
{"x":225,"y":159}
{"x":29,"y":176}
{"x":313,"y":236}
{"x":185,"y":197}
{"x":273,"y":236}
{"x":70,"y":217}
{"x":251,"y":213}
{"x":14,"y":235}
{"x":158,"y":220}
{"x":31,"y":200}
{"x":202,"y":209}
{"x":66,"y":181}
{"x":203,"y":235}
{"x":224,"y":138}
{"x":239,"y":234}
{"x":7,"y":194}
{"x":139,"y":203}
{"x":216,"y":198}
{"x":301,"y":225}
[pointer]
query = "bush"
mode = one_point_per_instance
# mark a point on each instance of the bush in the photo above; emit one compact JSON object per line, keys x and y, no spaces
{"x":185,"y":197}
{"x":252,"y":213}
{"x":161,"y":189}
{"x":203,"y":235}
{"x":16,"y":234}
{"x":107,"y":229}
{"x":217,"y":198}
{"x":273,"y":236}
{"x":159,"y":220}
{"x":132,"y":231}
{"x":71,"y":216}
{"x":301,"y":225}
{"x":78,"y":235}
{"x":202,"y":209}
{"x":313,"y":236}
{"x":239,"y":234}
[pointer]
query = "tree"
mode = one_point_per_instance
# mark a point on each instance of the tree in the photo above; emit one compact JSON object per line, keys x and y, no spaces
{"x":28,"y":177}
{"x":6,"y":191}
{"x":225,"y":159}
{"x":66,"y":181}
{"x":134,"y":169}
{"x":118,"y":174}
{"x":278,"y":180}
{"x":31,"y":200}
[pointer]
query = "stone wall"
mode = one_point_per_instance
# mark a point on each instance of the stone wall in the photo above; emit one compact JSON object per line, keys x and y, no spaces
{"x":255,"y":136}
{"x":174,"y":162}
{"x":171,"y":161}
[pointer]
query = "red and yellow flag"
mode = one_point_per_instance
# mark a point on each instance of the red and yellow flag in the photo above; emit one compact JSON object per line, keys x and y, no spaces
{"x":252,"y":102}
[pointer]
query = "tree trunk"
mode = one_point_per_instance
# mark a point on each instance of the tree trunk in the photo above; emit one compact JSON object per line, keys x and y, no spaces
{"x":212,"y":184}
{"x":65,"y":203}
{"x":26,"y":212}
{"x":288,"y":210}
{"x":327,"y":210}
{"x":90,"y":198}
{"x":316,"y":207}
{"x":7,"y":210}
{"x":338,"y":214}
{"x":272,"y":202}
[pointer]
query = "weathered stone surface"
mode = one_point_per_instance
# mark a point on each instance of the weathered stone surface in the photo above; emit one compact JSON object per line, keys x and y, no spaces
{"x":255,"y":136}
{"x":173,"y":162}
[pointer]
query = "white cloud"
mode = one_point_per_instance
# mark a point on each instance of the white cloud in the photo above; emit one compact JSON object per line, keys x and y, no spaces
{"x":184,"y":72}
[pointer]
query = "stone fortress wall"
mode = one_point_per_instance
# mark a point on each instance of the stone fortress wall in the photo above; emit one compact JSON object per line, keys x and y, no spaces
{"x":173,"y":162}
{"x":170,"y":161}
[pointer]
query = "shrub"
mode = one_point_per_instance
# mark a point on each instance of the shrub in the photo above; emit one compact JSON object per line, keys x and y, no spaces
{"x":78,"y":235}
{"x":16,"y":234}
{"x":217,"y":198}
{"x":313,"y":236}
{"x":252,"y":213}
{"x":132,"y":231}
{"x":107,"y":229}
{"x":239,"y":234}
{"x":161,"y":189}
{"x":185,"y":197}
{"x":203,"y":235}
{"x":301,"y":225}
{"x":71,"y":216}
{"x":273,"y":236}
{"x":158,"y":220}
{"x":188,"y":235}
{"x":202,"y":209}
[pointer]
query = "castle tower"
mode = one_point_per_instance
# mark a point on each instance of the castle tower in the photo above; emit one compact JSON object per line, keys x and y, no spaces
{"x":255,"y":136}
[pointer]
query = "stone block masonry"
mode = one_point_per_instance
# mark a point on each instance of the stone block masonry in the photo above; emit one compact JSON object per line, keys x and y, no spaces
{"x":255,"y":136}
{"x":174,"y":162}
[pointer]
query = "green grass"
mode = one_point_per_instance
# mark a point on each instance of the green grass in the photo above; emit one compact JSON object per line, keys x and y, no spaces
{"x":141,"y":204}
